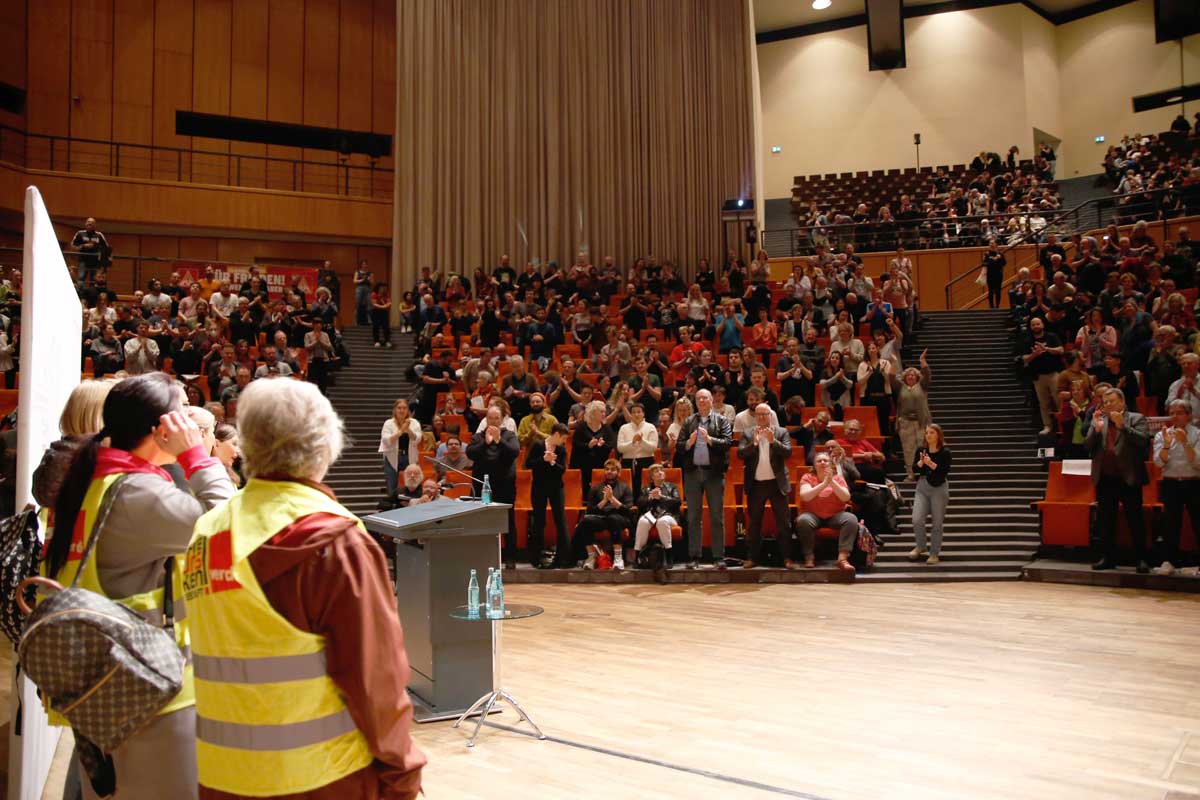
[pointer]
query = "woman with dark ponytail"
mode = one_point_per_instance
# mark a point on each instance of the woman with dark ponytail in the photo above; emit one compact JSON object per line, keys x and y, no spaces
{"x":150,"y":521}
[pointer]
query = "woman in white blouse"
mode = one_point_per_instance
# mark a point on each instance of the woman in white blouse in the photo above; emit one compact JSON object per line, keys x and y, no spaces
{"x":695,"y":309}
{"x":399,"y":442}
{"x":637,"y":442}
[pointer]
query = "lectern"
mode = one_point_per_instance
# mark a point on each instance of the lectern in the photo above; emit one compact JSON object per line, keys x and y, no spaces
{"x":437,"y":546}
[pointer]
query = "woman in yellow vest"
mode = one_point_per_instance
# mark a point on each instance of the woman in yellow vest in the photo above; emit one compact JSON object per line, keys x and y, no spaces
{"x":150,"y":521}
{"x":299,"y":656}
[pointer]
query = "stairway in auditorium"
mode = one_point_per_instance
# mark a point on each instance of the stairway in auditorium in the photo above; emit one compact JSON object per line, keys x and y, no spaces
{"x":990,"y":531}
{"x":363,"y":394}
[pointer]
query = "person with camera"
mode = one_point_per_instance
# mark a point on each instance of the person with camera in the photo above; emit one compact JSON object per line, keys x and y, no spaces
{"x":1119,"y":444}
{"x":1177,"y":452}
{"x":659,"y":503}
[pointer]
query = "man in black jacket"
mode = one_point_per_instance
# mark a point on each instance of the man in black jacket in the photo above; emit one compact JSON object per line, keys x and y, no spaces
{"x":547,"y":460}
{"x":659,"y":505}
{"x":609,"y":505}
{"x":493,"y":454}
{"x":764,"y":450}
{"x":703,"y":448}
{"x":1119,"y":443}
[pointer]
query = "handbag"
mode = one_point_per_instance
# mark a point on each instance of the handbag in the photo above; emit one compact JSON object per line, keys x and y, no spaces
{"x":20,"y":556}
{"x":97,"y":662}
{"x":981,"y":278}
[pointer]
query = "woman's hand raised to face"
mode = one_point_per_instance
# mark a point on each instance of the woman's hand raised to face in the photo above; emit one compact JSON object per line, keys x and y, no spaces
{"x":177,"y":433}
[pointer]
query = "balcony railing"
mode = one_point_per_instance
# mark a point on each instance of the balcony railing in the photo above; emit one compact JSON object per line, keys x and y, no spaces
{"x":339,"y":175}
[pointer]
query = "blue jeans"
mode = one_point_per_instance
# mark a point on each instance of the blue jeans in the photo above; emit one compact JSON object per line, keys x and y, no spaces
{"x":930,"y":501}
{"x":391,"y":477}
{"x":698,"y":483}
{"x":362,"y":302}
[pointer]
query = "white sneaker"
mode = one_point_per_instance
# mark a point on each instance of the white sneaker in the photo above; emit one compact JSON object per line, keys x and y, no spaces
{"x":917,"y":554}
{"x":619,"y":562}
{"x":1167,"y":568}
{"x":591,"y":561}
{"x":1044,"y":432}
{"x":933,"y":560}
{"x":377,"y":344}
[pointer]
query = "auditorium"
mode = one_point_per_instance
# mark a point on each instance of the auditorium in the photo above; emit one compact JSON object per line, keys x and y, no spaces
{"x":547,"y":399}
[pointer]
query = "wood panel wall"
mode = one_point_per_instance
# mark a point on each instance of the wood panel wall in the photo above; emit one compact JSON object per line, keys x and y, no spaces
{"x":120,"y":69}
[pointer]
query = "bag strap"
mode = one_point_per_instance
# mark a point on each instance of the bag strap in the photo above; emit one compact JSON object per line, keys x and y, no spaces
{"x":106,"y":503}
{"x":169,"y":594}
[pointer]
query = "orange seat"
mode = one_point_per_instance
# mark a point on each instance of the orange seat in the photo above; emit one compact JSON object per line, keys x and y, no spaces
{"x":1066,"y":510}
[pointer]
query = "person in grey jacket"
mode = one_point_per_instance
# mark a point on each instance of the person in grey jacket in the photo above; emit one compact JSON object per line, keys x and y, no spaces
{"x":1119,"y":444}
{"x":150,"y":521}
{"x":703,"y":449}
{"x":659,"y":504}
{"x":764,"y":450}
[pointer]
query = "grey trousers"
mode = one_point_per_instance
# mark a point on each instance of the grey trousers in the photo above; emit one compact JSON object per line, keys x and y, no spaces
{"x":930,"y":501}
{"x":698,"y":483}
{"x":808,"y":523}
{"x":157,"y":762}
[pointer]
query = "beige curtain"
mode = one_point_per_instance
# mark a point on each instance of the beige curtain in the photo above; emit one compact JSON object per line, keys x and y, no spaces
{"x":540,"y":128}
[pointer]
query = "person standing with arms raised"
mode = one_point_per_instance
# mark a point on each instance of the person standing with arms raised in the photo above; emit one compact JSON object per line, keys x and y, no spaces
{"x":703,"y":447}
{"x":1119,"y":444}
{"x":493,"y":453}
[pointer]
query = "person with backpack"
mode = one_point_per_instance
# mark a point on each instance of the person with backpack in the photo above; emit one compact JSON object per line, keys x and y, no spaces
{"x":150,"y":521}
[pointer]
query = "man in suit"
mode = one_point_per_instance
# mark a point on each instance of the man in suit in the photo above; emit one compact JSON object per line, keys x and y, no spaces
{"x":703,"y":448}
{"x":764,"y":450}
{"x":1119,"y":444}
{"x":493,"y":453}
{"x":547,"y":460}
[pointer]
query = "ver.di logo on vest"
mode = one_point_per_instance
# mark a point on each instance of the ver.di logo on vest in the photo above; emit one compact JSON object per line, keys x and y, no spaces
{"x":208,"y":566}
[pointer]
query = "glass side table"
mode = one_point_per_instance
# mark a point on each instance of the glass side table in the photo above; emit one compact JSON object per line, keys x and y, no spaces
{"x":512,"y":611}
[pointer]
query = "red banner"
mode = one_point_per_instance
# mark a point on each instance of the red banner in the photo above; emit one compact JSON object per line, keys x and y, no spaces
{"x":277,"y":278}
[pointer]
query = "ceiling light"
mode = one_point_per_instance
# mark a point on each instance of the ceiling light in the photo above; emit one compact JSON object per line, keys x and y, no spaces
{"x":821,"y":5}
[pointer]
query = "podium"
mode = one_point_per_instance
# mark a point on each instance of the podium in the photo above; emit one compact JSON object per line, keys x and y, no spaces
{"x":437,"y":546}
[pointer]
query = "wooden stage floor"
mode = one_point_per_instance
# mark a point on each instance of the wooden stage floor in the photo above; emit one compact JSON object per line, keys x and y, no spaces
{"x":931,"y":691}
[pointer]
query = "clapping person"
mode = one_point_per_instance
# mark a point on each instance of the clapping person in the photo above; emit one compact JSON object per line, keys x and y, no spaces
{"x":1119,"y":443}
{"x":764,"y":450}
{"x":825,"y":496}
{"x":1177,"y":452}
{"x":546,"y":459}
{"x":593,"y":441}
{"x":703,"y":447}
{"x":608,"y":506}
{"x":493,"y":453}
{"x":659,"y":503}
{"x":932,"y":466}
{"x":637,"y":442}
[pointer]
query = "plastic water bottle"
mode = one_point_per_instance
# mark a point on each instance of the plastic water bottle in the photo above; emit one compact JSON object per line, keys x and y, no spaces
{"x":495,"y":598}
{"x":473,"y":596}
{"x":486,"y":494}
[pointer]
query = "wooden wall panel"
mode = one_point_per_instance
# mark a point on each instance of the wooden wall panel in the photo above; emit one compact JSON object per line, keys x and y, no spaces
{"x":198,"y":249}
{"x":285,"y":82}
{"x":211,"y":66}
{"x":383,"y":79}
{"x":12,"y":66}
{"x":133,"y":84}
{"x":322,"y":62}
{"x":248,"y":84}
{"x":91,"y":51}
{"x":48,"y":101}
{"x":321,"y":47}
{"x":173,"y":32}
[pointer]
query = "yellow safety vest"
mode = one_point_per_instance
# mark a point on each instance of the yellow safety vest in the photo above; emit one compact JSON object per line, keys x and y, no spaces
{"x":148,"y":604}
{"x":270,"y":720}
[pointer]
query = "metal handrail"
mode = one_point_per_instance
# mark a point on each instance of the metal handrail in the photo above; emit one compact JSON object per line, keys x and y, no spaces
{"x":298,"y":170}
{"x":1097,"y":203}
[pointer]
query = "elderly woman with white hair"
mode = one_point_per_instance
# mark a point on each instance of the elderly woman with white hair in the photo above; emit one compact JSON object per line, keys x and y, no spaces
{"x":912,"y":411}
{"x":592,"y":443}
{"x":294,"y":627}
